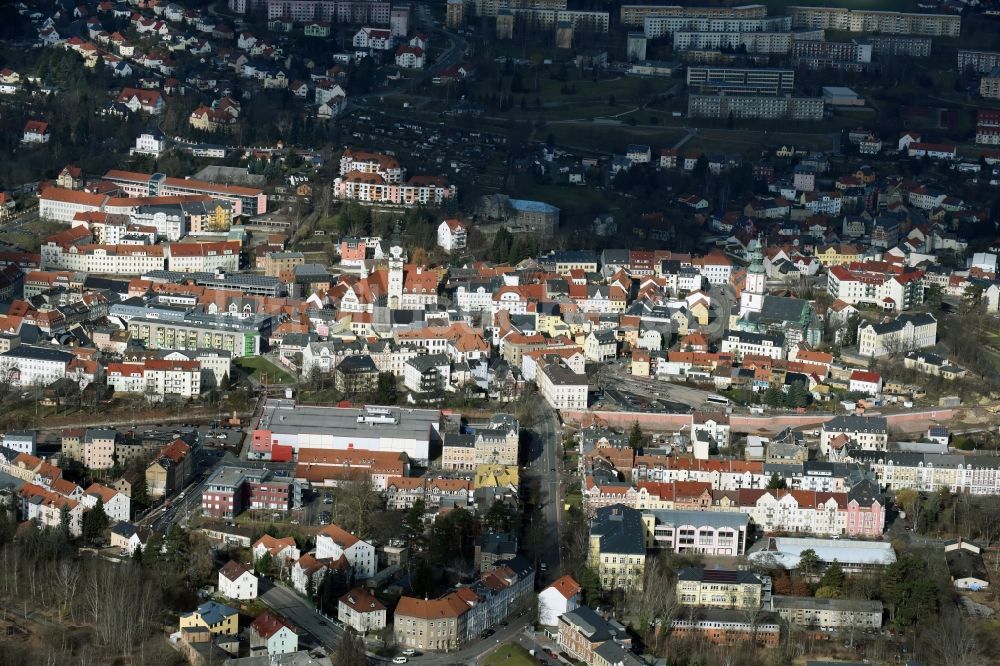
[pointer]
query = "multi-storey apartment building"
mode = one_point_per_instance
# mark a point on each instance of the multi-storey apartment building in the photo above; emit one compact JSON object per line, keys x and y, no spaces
{"x":896,"y":45}
{"x":849,"y":56}
{"x":931,"y":472}
{"x":905,"y":333}
{"x":31,"y":365}
{"x":742,"y":343}
{"x":886,"y":22}
{"x":238,"y":336}
{"x":981,"y":62}
{"x":877,"y":284}
{"x":988,"y":127}
{"x":334,"y":542}
{"x":617,"y":550}
{"x":707,"y":532}
{"x":561,"y":387}
{"x":870,"y":433}
{"x":231,"y":490}
{"x":828,"y":614}
{"x":584,"y":21}
{"x":762,"y":107}
{"x":741,"y":80}
{"x":719,"y":588}
{"x":761,"y":43}
{"x":634,"y":16}
{"x":655,"y":27}
{"x":493,"y":7}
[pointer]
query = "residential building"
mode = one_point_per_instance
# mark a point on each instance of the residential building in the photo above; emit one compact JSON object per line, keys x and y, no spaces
{"x":601,"y":346}
{"x":334,"y":542}
{"x":617,"y":547}
{"x":828,"y":614}
{"x":31,"y":365}
{"x":560,"y":597}
{"x":745,"y":80}
{"x":452,"y":235}
{"x":729,"y":627}
{"x":876,"y":21}
{"x":870,"y":433}
{"x":741,"y":106}
{"x":708,"y":532}
{"x":907,"y":332}
{"x":582,"y":632}
{"x":561,"y":387}
{"x":719,"y":588}
{"x":214,"y":617}
{"x":361,"y":611}
{"x":271,"y":635}
{"x":237,"y":582}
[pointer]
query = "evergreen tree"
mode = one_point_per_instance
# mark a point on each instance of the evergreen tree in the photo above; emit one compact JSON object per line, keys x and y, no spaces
{"x":776,"y":482}
{"x":635,"y":435}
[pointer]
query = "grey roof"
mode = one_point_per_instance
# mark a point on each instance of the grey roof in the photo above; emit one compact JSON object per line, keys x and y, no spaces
{"x":763,"y":621}
{"x":285,"y":417}
{"x":726,"y":576}
{"x":561,"y":375}
{"x":783,"y":308}
{"x":816,"y":603}
{"x":776,"y":339}
{"x":897,"y":324}
{"x":590,"y":624}
{"x":429,"y":361}
{"x":497,"y":543}
{"x":613,"y":653}
{"x":358,"y":364}
{"x":715,"y":519}
{"x":39,"y":353}
{"x":620,"y":530}
{"x":852,"y":423}
{"x":213,"y":613}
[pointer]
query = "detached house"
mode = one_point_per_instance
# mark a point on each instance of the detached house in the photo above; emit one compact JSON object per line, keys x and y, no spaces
{"x":361,"y":611}
{"x":270,"y":635}
{"x":237,"y":582}
{"x":559,"y":598}
{"x":138,"y":99}
{"x":334,"y":542}
{"x":35,"y":131}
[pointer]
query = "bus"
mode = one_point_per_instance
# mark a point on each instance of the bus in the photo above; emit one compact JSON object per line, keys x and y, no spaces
{"x":717,"y":400}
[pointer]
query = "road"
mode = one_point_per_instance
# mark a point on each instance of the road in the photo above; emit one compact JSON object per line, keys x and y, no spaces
{"x":473,"y":653}
{"x":544,"y":463}
{"x":301,"y":612}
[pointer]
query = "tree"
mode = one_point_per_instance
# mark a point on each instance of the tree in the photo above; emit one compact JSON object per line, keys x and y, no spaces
{"x":833,"y":576}
{"x":385,"y":389}
{"x":909,"y":501}
{"x":350,"y":651}
{"x":808,"y":562}
{"x":95,"y":522}
{"x":776,"y":482}
{"x":140,"y":491}
{"x":635,"y":435}
{"x":413,"y":522}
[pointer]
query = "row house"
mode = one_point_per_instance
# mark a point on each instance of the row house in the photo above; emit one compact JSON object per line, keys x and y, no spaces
{"x":402,"y":493}
{"x":931,"y":472}
{"x":905,"y":333}
{"x":371,"y":188}
{"x":328,"y":468}
{"x":722,"y":474}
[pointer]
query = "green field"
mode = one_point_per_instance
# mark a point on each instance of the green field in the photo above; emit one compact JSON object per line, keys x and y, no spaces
{"x":509,"y":654}
{"x":263,"y":371}
{"x":610,"y":138}
{"x":30,"y":235}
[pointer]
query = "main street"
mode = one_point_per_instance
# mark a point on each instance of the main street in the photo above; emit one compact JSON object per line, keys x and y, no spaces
{"x":543,"y":465}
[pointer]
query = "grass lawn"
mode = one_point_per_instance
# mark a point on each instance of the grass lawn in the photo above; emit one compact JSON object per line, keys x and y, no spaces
{"x":263,"y":370}
{"x":509,"y":654}
{"x":599,"y":138}
{"x":30,"y":235}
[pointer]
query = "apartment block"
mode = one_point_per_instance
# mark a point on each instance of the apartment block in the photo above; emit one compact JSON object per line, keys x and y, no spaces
{"x":655,"y":27}
{"x":741,"y":80}
{"x":617,"y":551}
{"x":897,"y":45}
{"x":885,"y":22}
{"x":827,"y":614}
{"x":980,"y":61}
{"x":719,"y":588}
{"x":761,"y":107}
{"x":634,"y":16}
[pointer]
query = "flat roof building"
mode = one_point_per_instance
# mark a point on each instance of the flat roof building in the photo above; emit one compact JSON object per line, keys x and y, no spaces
{"x":373,"y":428}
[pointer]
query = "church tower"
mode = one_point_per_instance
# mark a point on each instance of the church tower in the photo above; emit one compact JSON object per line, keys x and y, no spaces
{"x":395,"y":286}
{"x":752,"y":297}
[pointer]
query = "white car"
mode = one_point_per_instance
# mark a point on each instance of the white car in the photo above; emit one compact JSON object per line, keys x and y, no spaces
{"x":409,"y":652}
{"x":399,"y":660}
